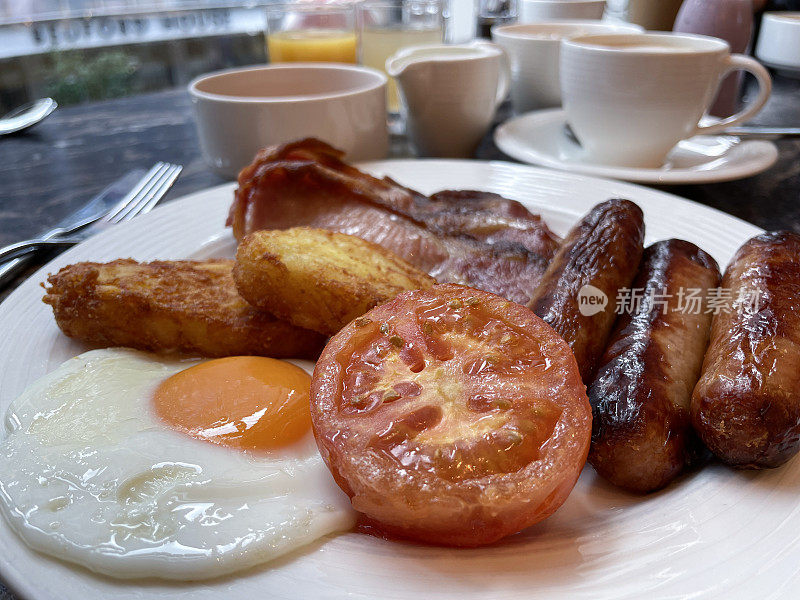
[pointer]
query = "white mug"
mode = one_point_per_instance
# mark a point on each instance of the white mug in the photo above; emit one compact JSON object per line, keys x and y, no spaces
{"x":630,"y":98}
{"x":534,"y":49}
{"x":779,"y":41}
{"x":532,"y":11}
{"x":449,"y":94}
{"x":239,"y":111}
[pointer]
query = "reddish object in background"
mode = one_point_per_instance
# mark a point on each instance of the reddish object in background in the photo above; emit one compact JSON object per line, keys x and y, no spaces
{"x":731,"y":20}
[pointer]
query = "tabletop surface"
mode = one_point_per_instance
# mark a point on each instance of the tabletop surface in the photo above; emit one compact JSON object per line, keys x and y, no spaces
{"x":51,"y":170}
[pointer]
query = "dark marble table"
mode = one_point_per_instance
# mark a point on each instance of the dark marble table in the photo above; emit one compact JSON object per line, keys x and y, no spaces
{"x":49,"y":171}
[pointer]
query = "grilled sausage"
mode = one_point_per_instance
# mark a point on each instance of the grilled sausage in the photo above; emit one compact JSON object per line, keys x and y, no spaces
{"x":746,"y":406}
{"x":599,"y":256}
{"x":642,"y":436}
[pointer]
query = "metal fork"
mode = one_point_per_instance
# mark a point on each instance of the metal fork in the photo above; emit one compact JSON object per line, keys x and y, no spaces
{"x":140,"y":200}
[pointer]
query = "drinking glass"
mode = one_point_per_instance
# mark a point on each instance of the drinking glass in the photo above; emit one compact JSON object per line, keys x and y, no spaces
{"x":495,"y":12}
{"x":312,"y":33}
{"x":386,"y":26}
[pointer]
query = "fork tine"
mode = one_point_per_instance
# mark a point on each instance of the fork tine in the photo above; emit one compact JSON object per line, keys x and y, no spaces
{"x":164,"y":188}
{"x":155,"y":193}
{"x":158,"y":172}
{"x":133,"y":195}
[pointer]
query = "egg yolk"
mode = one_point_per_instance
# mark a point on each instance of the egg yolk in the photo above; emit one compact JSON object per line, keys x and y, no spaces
{"x":248,"y":402}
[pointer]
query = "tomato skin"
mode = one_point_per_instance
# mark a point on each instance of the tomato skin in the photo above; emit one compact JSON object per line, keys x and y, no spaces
{"x":389,"y":450}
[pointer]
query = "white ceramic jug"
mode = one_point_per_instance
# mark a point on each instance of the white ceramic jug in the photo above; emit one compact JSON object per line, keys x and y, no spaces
{"x":450,"y":94}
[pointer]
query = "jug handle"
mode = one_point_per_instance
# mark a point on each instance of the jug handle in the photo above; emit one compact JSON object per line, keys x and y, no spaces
{"x":504,"y":77}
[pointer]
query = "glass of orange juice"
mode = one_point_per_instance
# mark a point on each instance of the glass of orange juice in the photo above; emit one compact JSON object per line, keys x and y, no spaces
{"x":305,"y":32}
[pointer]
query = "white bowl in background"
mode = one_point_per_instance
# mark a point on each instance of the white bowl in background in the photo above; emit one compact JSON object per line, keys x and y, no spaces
{"x":532,"y":11}
{"x":779,"y":41}
{"x":239,"y":111}
{"x":533,"y":50}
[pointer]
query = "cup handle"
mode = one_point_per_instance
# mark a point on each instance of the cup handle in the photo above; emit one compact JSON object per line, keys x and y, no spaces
{"x":738,"y":62}
{"x":504,"y":78}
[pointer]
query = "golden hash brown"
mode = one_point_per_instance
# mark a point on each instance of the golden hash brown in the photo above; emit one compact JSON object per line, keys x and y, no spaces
{"x":164,"y":306}
{"x":319,"y":279}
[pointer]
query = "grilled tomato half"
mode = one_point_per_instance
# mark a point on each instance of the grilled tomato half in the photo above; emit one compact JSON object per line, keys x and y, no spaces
{"x":451,"y":416}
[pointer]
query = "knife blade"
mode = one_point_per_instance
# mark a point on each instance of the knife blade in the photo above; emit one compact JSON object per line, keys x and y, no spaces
{"x":758,"y":131}
{"x":86,"y":214}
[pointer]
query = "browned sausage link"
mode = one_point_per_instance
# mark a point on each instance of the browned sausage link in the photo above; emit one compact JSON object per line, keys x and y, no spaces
{"x":642,"y":436}
{"x":746,"y":406}
{"x":603,"y":250}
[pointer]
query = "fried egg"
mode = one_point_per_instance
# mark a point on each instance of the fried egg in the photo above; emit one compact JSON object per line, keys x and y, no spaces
{"x":136,"y":466}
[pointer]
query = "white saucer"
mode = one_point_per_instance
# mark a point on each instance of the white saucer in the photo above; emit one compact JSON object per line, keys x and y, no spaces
{"x":787,"y":70}
{"x":538,"y":138}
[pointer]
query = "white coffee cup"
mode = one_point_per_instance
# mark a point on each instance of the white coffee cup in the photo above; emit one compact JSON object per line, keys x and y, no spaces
{"x":239,"y":111}
{"x":630,"y":98}
{"x":779,"y":40}
{"x":533,"y":50}
{"x":449,"y":94}
{"x":532,"y":11}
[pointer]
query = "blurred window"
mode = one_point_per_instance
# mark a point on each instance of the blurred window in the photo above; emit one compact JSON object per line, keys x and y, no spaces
{"x":82,"y":50}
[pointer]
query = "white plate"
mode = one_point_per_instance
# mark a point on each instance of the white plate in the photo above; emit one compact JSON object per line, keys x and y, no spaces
{"x":720,"y":532}
{"x":538,"y":138}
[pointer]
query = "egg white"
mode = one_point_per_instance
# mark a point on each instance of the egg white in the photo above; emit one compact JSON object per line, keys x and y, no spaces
{"x":90,"y":475}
